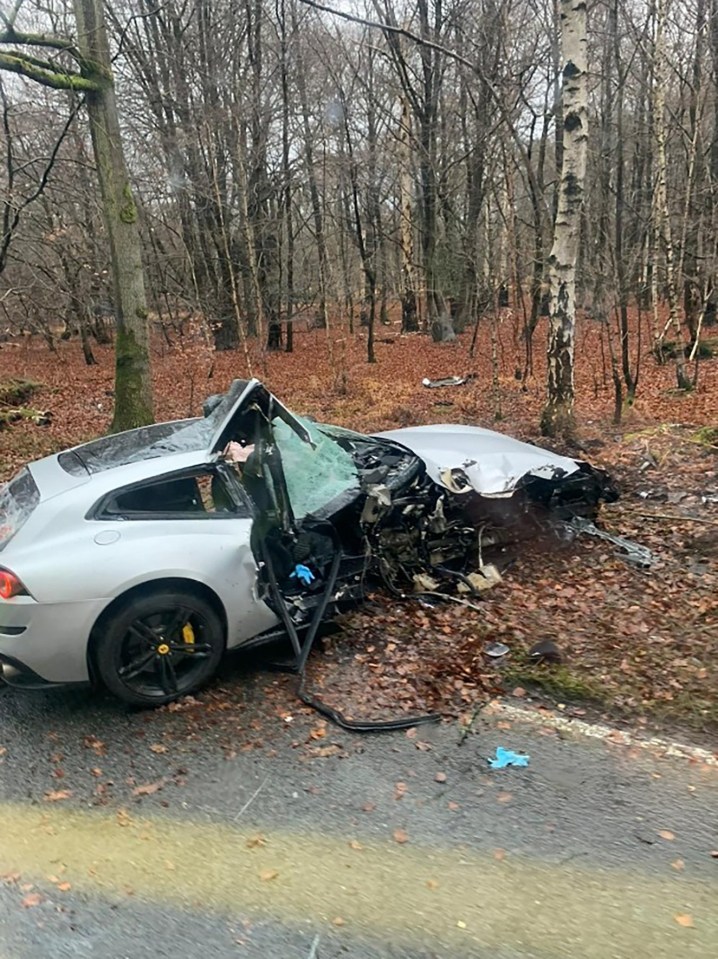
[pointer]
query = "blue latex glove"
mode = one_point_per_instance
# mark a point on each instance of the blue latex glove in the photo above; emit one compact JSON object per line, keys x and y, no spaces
{"x":303,"y":574}
{"x":505,"y":757}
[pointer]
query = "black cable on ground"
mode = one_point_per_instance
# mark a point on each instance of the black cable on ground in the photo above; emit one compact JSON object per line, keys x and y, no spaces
{"x":303,"y":649}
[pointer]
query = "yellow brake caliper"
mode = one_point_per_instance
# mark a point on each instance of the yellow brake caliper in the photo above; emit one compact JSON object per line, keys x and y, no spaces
{"x":188,"y":634}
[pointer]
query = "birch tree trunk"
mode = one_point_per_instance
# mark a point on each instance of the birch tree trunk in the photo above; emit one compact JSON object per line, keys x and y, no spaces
{"x":133,"y":385}
{"x":558,"y":414}
{"x":661,"y":208}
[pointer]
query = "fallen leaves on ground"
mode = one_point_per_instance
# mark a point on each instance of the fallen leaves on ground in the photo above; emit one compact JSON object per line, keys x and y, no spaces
{"x":639,"y":642}
{"x":57,"y":795}
{"x":92,"y":742}
{"x":255,"y":842}
{"x":148,"y":789}
{"x":31,"y":900}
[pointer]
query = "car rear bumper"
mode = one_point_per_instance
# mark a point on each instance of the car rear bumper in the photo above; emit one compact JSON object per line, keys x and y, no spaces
{"x":19,"y":676}
{"x":45,"y":644}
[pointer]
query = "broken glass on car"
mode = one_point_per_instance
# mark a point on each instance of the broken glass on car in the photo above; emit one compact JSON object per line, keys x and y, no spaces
{"x":18,"y":499}
{"x":321,"y":476}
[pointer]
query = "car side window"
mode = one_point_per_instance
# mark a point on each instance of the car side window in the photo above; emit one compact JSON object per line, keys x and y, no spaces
{"x":194,"y":496}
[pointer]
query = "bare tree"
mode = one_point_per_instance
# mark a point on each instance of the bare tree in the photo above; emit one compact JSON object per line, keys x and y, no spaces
{"x":91,"y":74}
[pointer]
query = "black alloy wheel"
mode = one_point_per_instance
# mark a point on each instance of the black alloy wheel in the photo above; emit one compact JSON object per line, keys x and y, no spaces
{"x":159,"y":647}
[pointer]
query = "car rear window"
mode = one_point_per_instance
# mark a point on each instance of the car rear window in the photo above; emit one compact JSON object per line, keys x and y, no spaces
{"x":147,"y":442}
{"x":18,"y":499}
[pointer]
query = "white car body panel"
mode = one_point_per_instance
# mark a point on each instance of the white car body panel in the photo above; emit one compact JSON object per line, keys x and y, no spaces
{"x":493,"y":463}
{"x":62,"y":609}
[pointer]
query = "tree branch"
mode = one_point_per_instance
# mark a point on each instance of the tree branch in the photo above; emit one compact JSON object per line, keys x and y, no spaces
{"x":33,"y":61}
{"x":8,"y":226}
{"x":11,"y":35}
{"x":9,"y":18}
{"x":400,"y":31}
{"x":57,"y":79}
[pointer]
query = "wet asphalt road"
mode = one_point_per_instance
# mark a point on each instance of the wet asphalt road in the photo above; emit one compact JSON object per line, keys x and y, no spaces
{"x":242,"y":827}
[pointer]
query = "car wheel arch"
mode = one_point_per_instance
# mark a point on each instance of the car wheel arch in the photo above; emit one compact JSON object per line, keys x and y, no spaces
{"x":191,"y":586}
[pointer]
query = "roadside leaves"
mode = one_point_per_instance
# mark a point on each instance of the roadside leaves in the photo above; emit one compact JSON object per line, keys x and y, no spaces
{"x":31,"y":900}
{"x":148,"y":789}
{"x":57,"y":795}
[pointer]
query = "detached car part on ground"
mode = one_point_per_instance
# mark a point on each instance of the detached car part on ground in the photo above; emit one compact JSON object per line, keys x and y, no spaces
{"x":137,"y":559}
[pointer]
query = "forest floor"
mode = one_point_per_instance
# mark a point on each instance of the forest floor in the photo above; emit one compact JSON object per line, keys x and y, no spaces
{"x":639,"y":644}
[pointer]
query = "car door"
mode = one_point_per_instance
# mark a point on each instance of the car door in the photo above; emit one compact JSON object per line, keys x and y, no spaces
{"x":192,"y":524}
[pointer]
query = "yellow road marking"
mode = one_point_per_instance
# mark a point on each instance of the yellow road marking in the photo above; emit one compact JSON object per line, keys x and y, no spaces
{"x":402,"y":893}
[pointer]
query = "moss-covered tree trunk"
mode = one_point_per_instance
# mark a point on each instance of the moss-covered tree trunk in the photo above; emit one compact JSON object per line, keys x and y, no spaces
{"x":558,"y":414}
{"x":133,"y":386}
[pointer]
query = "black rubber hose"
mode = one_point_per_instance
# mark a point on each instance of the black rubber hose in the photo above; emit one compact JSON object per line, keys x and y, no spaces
{"x":302,"y":651}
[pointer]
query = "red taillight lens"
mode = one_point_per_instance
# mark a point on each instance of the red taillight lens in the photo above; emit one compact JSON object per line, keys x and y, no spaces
{"x":10,"y":585}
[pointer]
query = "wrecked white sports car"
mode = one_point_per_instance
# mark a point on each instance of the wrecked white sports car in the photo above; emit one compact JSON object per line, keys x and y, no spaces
{"x":137,"y":559}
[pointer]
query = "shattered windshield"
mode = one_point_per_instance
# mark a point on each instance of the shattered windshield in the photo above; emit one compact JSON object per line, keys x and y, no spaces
{"x":17,"y":501}
{"x":315,"y":474}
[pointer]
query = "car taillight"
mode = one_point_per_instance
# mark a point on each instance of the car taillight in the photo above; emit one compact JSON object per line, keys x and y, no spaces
{"x":10,"y":585}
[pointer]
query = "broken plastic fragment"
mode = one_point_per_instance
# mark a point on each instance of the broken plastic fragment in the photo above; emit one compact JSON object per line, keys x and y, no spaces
{"x":484,"y":578}
{"x":447,"y":381}
{"x":496,"y":650}
{"x":423,"y":583}
{"x":506,"y":757}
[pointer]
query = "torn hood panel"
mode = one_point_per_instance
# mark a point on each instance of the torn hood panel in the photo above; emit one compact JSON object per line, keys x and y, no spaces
{"x":493,"y":463}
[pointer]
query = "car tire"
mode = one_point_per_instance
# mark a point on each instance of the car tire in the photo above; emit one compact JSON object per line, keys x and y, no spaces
{"x":158,"y":647}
